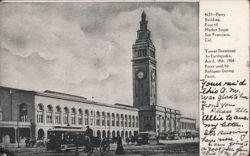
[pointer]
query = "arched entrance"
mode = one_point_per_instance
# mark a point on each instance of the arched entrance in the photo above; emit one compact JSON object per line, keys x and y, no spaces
{"x":126,"y":134}
{"x":113,"y":134}
{"x":108,"y":134}
{"x":98,"y":134}
{"x":103,"y":134}
{"x":118,"y":133}
{"x":40,"y":134}
{"x":130,"y":133}
{"x":122,"y":134}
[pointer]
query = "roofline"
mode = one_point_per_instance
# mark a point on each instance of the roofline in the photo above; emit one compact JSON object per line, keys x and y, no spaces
{"x":75,"y":98}
{"x":86,"y":101}
{"x":64,"y":94}
{"x":24,"y":90}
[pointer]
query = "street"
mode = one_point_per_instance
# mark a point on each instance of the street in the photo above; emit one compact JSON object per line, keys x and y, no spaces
{"x":164,"y":148}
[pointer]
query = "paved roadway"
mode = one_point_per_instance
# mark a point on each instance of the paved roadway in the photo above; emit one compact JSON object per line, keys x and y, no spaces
{"x":165,"y":148}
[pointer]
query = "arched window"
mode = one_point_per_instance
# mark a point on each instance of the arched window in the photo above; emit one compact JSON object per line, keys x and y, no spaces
{"x":40,"y":113}
{"x":122,"y":124}
{"x":58,"y":115}
{"x":113,"y":119}
{"x":98,"y":118}
{"x":103,"y":118}
{"x":23,"y":113}
{"x":126,"y":121}
{"x":129,"y":121}
{"x":86,"y":117}
{"x":49,"y":114}
{"x":108,"y":119}
{"x":91,"y":118}
{"x":117,"y":120}
{"x":80,"y":117}
{"x":66,"y":115}
{"x":73,"y":116}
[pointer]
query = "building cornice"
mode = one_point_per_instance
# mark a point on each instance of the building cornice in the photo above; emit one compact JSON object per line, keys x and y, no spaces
{"x":85,"y":101}
{"x":64,"y":96}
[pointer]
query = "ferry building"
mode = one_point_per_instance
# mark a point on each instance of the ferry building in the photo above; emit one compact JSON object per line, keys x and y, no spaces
{"x":30,"y":114}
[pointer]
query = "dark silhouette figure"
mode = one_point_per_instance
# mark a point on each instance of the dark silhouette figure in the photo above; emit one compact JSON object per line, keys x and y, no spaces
{"x":88,"y":139}
{"x":89,"y":132}
{"x":127,"y":140}
{"x":119,"y":149}
{"x":27,"y":142}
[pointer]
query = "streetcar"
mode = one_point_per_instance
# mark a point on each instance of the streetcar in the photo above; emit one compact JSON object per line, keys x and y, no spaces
{"x":64,"y":139}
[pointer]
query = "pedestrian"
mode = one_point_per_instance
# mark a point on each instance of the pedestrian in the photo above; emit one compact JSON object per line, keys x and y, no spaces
{"x":26,"y":142}
{"x":119,"y":149}
{"x":89,"y":132}
{"x":127,"y":140}
{"x":158,"y":139}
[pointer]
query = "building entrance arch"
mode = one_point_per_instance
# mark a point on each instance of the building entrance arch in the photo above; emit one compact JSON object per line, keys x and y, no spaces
{"x":108,"y":134}
{"x":122,"y":134}
{"x":113,"y":134}
{"x":98,"y":134}
{"x":103,"y":134}
{"x":40,"y":134}
{"x":126,"y":134}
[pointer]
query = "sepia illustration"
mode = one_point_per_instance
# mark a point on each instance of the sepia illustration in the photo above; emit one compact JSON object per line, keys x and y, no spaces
{"x":99,"y":78}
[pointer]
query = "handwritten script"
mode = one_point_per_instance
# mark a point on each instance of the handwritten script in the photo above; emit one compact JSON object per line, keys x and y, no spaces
{"x":224,"y":118}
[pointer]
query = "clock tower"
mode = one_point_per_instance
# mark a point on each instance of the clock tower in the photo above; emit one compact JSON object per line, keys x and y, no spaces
{"x":152,"y":116}
{"x":144,"y":68}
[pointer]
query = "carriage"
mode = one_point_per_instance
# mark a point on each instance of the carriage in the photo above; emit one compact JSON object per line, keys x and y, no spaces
{"x":62,"y":140}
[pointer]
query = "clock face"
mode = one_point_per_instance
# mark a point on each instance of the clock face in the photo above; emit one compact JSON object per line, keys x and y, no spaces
{"x":140,"y":75}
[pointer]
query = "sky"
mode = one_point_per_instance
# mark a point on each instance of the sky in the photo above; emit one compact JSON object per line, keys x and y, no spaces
{"x":86,"y":49}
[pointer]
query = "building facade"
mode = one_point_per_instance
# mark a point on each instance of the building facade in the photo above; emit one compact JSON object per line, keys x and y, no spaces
{"x":30,"y":114}
{"x":188,"y":127}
